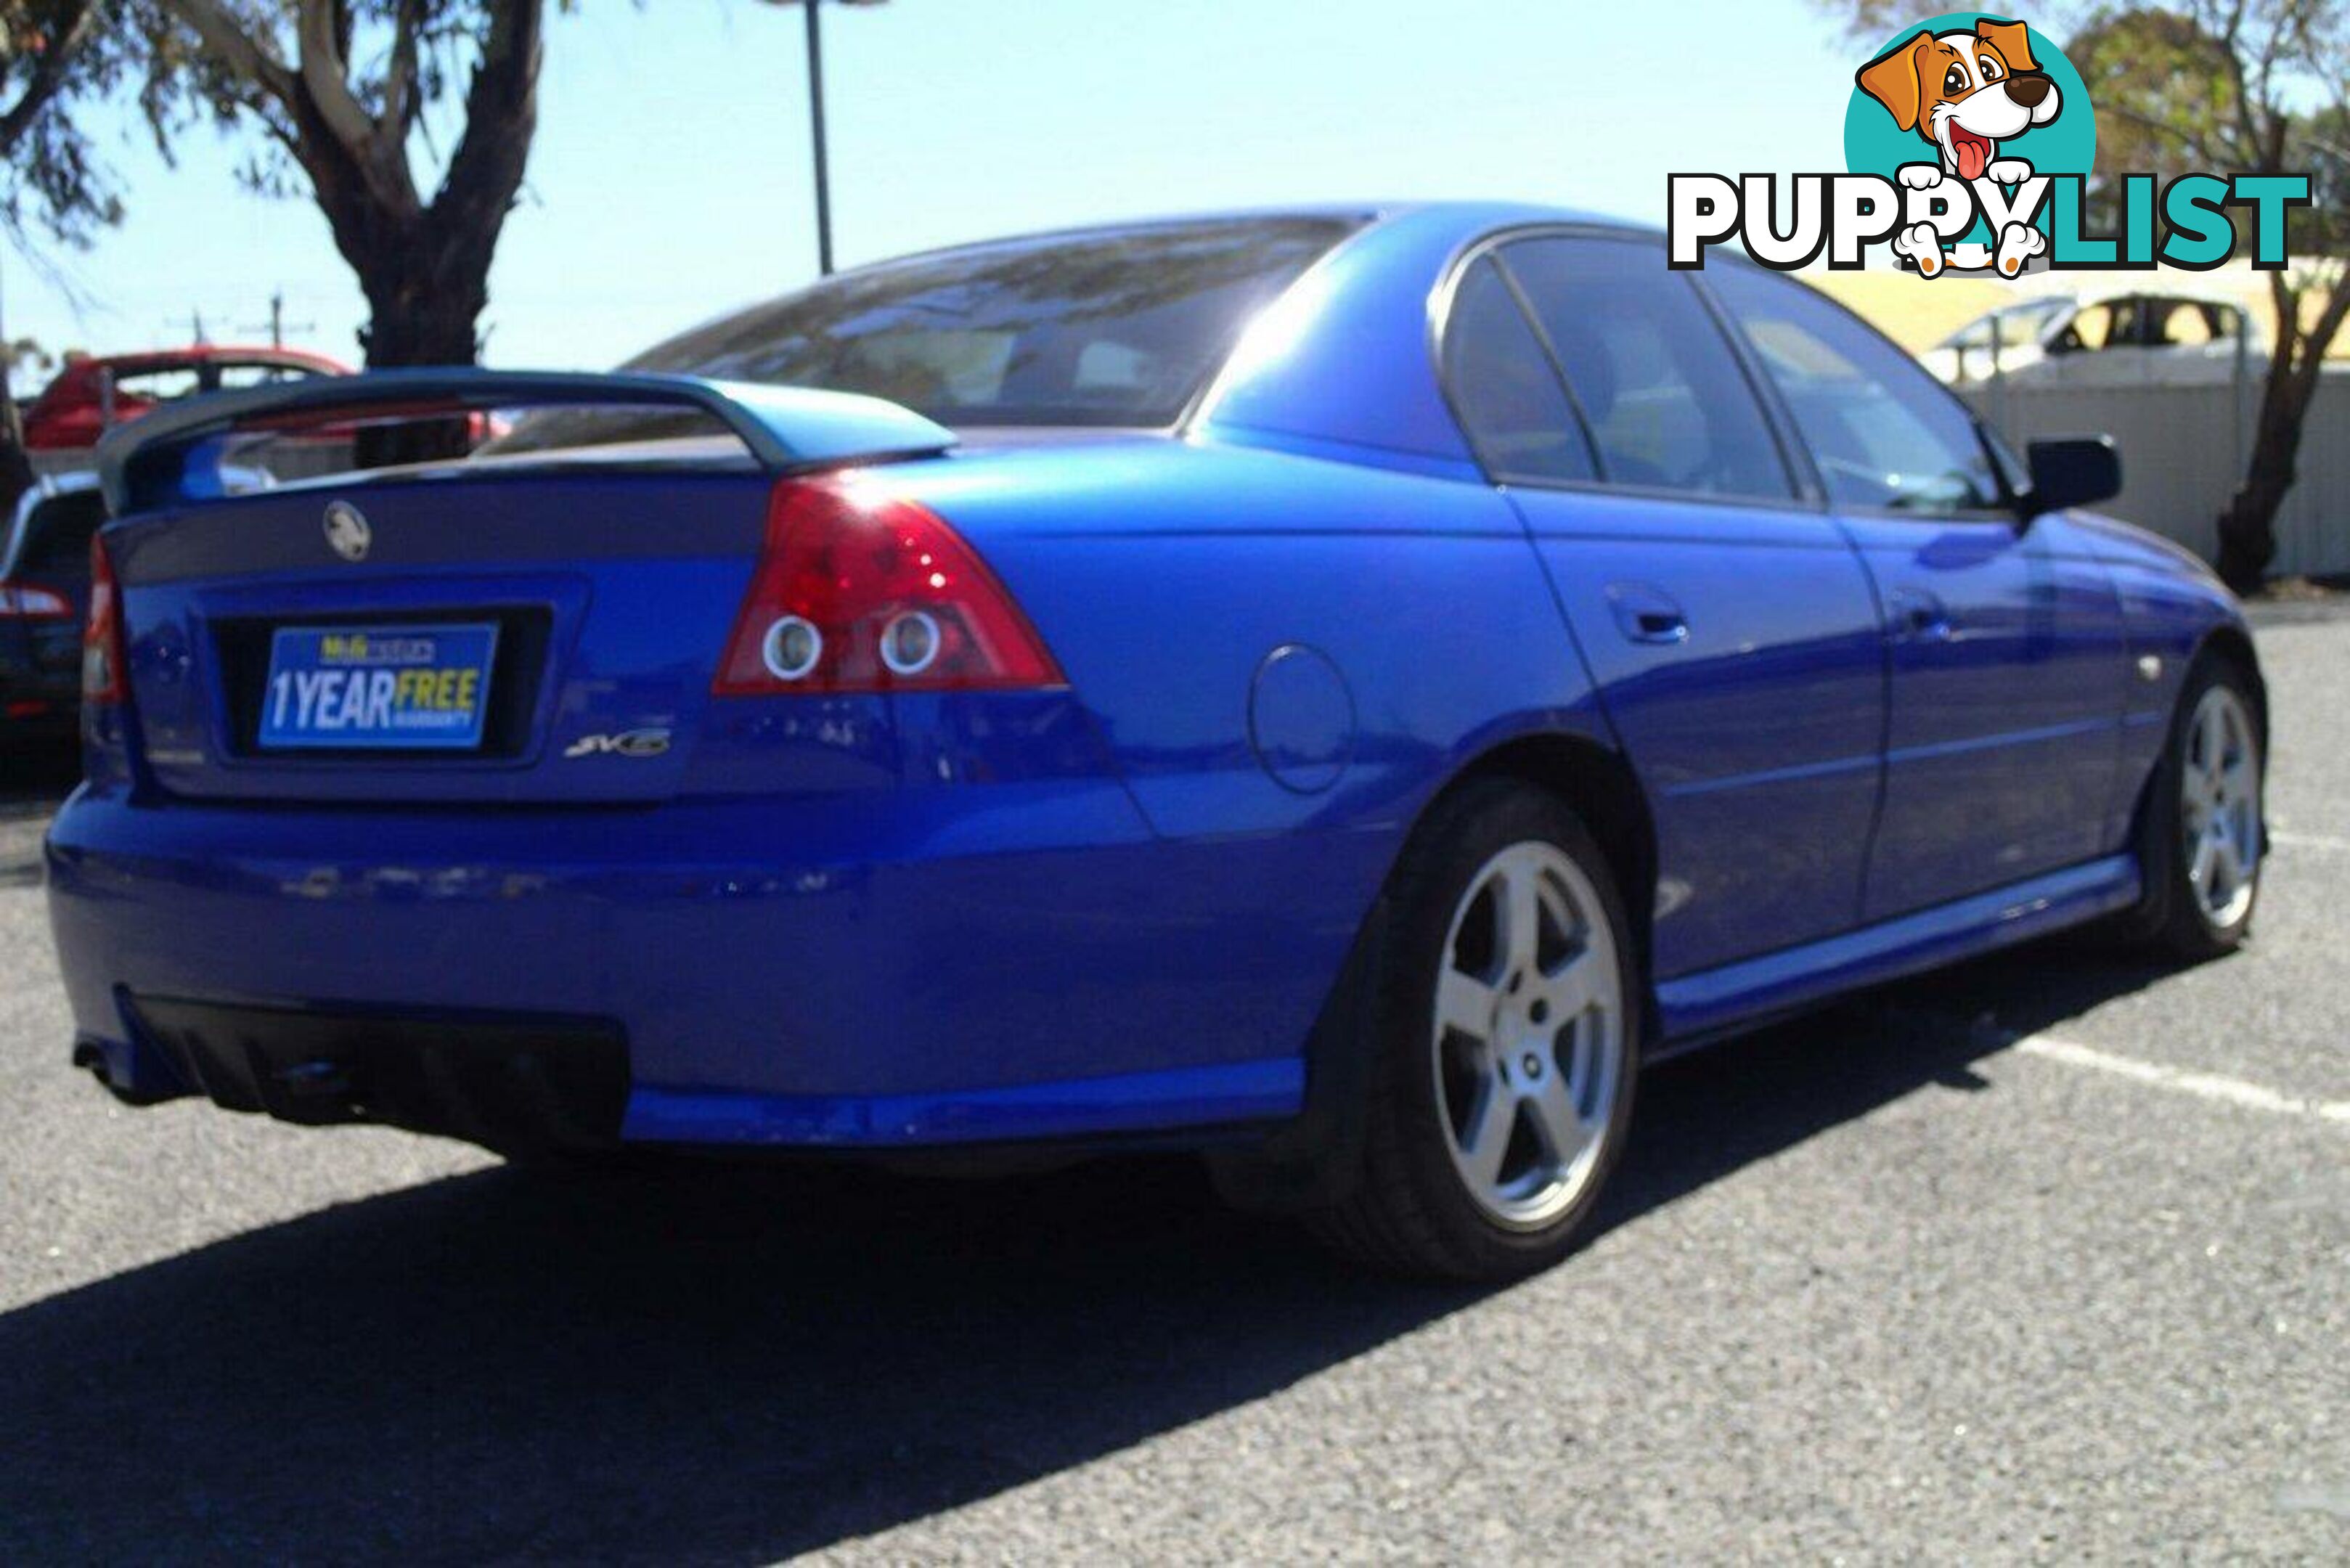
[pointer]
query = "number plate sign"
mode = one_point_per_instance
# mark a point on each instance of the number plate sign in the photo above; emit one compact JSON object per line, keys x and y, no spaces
{"x":378,"y":687}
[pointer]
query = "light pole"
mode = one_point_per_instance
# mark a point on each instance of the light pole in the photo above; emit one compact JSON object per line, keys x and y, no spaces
{"x":815,"y":123}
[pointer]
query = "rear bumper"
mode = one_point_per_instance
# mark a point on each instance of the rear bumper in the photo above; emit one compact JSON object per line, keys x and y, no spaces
{"x":509,"y":1084}
{"x":878,"y":969}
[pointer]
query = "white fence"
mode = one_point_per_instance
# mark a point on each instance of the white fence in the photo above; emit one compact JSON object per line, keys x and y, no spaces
{"x":2182,"y":450}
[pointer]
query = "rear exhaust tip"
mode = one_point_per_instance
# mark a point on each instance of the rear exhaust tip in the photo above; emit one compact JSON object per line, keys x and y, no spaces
{"x":88,"y":1056}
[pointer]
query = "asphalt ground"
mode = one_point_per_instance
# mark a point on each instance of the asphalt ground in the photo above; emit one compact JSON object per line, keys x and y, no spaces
{"x":2045,"y":1259}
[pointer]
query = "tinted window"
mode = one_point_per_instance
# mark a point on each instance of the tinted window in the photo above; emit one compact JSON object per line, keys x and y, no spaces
{"x":1884,"y":432}
{"x":1666,"y":399}
{"x":2189,"y":323}
{"x":2098,"y":327}
{"x":1115,"y":327}
{"x":2093,"y":328}
{"x":1508,"y":395}
{"x":56,"y":536}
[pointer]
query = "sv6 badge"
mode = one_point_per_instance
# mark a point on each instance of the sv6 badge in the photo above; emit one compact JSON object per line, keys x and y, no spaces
{"x":627,"y":743}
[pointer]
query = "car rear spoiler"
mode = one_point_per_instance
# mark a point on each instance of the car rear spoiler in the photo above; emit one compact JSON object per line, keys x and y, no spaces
{"x":171,"y":455}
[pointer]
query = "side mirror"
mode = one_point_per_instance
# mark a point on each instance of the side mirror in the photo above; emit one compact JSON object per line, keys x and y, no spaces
{"x":2076,"y":470}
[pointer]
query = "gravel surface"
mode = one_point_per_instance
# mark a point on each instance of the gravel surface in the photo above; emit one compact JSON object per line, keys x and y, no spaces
{"x":2047,"y":1258}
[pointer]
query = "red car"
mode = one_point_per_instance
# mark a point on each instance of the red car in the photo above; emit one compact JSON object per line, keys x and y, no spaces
{"x":92,"y":394}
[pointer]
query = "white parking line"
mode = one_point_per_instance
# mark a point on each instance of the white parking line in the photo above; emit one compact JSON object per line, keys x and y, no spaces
{"x":2310,"y":841}
{"x":2205,"y":1086}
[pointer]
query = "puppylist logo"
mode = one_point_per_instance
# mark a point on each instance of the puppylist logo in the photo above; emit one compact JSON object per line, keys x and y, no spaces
{"x":1969,"y":139}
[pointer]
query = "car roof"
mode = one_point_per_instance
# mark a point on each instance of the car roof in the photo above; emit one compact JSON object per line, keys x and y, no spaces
{"x":1371,"y":292}
{"x":1473,"y":216}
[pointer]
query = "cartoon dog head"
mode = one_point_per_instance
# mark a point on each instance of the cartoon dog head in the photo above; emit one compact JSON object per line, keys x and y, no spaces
{"x":1963,"y":91}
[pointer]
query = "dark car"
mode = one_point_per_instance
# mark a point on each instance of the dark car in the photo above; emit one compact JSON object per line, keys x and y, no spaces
{"x":43,"y":597}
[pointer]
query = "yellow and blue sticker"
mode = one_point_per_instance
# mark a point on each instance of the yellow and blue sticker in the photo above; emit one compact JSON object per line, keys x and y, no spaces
{"x":378,"y":686}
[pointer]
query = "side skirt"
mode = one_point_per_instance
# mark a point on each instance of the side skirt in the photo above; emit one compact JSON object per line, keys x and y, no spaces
{"x":1693,"y":1009}
{"x":1209,"y":1097}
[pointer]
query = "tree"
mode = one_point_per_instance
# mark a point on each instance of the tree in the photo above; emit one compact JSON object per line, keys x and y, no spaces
{"x":49,"y":51}
{"x":2214,"y":84}
{"x":2235,"y":87}
{"x":341,"y":91}
{"x":2146,"y":126}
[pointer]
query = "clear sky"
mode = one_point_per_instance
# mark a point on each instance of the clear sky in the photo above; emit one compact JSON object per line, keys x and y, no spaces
{"x":671,"y":176}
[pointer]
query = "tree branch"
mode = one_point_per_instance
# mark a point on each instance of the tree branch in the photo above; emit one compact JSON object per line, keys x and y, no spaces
{"x":47,"y":76}
{"x":2321,"y":332}
{"x":324,"y":76}
{"x":243,"y":56}
{"x":501,"y":118}
{"x":2284,"y":299}
{"x":401,"y":101}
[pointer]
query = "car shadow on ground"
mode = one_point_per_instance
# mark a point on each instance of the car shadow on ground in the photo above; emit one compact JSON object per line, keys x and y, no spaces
{"x":35,"y":779}
{"x":733,"y":1364}
{"x":35,"y":776}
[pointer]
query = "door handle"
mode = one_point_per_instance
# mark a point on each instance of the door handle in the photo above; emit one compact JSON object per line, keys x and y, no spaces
{"x":1646,"y":614}
{"x":1917,"y":615}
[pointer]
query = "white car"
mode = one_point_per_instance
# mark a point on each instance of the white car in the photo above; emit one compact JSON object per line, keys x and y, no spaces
{"x":2104,"y":340}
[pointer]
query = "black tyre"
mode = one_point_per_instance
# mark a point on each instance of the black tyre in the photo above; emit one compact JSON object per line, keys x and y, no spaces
{"x":1506,"y":1021}
{"x":2201,"y":835}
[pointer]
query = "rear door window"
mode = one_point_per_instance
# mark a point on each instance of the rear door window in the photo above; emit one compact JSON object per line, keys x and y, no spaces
{"x":2092,"y":329}
{"x":2191,"y":323}
{"x":1667,"y":401}
{"x":1506,"y":391}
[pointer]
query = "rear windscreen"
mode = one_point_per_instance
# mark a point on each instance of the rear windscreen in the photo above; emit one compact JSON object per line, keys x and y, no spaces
{"x":56,"y":536}
{"x":1108,"y":327}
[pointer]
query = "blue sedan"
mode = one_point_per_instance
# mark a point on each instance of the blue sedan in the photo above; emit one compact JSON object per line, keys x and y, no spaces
{"x":1335,"y":689}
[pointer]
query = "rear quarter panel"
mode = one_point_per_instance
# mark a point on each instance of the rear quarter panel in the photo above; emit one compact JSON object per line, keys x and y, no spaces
{"x":1287,"y":658}
{"x":1273,"y":643}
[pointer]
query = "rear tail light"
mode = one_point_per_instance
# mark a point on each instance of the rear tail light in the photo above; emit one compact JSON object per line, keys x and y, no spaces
{"x":21,"y":601}
{"x":101,"y":638}
{"x":861,"y":591}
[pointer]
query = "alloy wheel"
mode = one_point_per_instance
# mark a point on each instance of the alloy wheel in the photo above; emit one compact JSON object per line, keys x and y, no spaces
{"x":2219,"y":807}
{"x":1528,"y":1035}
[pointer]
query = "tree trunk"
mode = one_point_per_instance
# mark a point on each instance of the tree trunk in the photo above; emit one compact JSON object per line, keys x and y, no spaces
{"x":2248,"y":526}
{"x":2297,"y":370}
{"x":425,"y":267}
{"x":424,"y":297}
